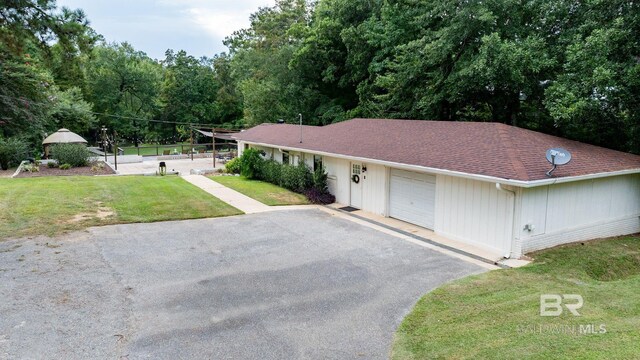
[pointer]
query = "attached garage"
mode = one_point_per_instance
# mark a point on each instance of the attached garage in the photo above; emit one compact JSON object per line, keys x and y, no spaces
{"x":412,"y":197}
{"x":483,"y":185}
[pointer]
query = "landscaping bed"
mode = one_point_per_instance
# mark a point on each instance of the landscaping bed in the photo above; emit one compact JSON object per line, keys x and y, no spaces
{"x":496,"y":315}
{"x":7,"y":173}
{"x":44,"y":170}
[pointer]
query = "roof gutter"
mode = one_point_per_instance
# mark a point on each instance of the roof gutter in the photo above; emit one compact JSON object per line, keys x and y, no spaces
{"x":518,"y":183}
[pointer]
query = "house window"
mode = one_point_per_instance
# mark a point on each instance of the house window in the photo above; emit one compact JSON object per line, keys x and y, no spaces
{"x":285,"y":157}
{"x":317,"y":162}
{"x":355,"y":169}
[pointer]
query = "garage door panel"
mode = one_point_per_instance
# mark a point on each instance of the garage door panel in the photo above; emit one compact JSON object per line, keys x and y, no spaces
{"x":412,"y":197}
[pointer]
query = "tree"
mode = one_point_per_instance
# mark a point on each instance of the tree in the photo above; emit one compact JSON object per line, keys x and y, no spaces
{"x":123,"y":86}
{"x":228,"y":103}
{"x":24,"y":101}
{"x":334,"y":56}
{"x":69,"y":110}
{"x":26,"y":23}
{"x":595,"y":96}
{"x":29,"y":29}
{"x":261,"y":54}
{"x":189,"y":89}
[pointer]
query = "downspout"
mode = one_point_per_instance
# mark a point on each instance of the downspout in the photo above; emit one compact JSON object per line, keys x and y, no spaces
{"x":513,"y":216}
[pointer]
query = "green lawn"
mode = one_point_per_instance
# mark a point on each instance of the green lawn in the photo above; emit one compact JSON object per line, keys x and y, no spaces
{"x":146,"y":150}
{"x":496,"y":315}
{"x":51,"y":205}
{"x":262,"y":191}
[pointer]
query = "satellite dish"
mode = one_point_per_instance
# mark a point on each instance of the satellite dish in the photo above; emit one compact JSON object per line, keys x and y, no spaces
{"x":557,"y":156}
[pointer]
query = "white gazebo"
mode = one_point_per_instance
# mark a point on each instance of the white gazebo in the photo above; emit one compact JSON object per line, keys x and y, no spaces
{"x":62,"y":136}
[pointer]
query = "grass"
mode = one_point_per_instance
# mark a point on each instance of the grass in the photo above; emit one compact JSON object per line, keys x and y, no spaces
{"x":146,"y":150}
{"x":495,"y":315}
{"x":52,"y":205}
{"x":264,"y":192}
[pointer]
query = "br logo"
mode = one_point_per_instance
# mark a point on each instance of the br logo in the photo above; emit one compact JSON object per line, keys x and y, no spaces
{"x":551,"y":304}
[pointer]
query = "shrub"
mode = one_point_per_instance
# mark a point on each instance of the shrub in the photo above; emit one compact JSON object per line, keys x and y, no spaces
{"x":303,"y":177}
{"x":250,"y":163}
{"x":271,"y":171}
{"x":233,"y":166}
{"x":52,"y":164}
{"x":287,"y":177}
{"x":316,"y":196}
{"x":30,"y":167}
{"x":296,"y":178}
{"x":73,"y":154}
{"x":65,"y":166}
{"x":320,"y":180}
{"x":12,"y":151}
{"x":97,"y":166}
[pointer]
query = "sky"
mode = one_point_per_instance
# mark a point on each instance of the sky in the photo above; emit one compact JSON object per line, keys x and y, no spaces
{"x":153,"y":26}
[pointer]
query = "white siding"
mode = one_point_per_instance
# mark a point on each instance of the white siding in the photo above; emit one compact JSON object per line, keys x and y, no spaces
{"x":277,"y":155}
{"x":338,"y":172}
{"x":374,"y":189}
{"x":308,"y":160}
{"x":580,"y":210}
{"x":474,"y":212}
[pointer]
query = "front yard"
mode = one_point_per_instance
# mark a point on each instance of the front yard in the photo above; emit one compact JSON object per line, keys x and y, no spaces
{"x":53,"y":205}
{"x":264,"y":192}
{"x":496,"y":315}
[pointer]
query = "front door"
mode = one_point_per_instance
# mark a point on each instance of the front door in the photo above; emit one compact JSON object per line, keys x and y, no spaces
{"x":356,"y":185}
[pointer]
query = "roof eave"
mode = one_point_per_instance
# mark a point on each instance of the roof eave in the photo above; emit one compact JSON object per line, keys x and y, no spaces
{"x":486,"y":178}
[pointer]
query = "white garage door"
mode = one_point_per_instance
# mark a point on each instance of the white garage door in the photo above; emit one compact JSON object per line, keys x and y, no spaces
{"x":412,"y":197}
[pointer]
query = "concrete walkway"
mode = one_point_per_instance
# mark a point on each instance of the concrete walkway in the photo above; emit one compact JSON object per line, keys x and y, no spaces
{"x":230,"y":196}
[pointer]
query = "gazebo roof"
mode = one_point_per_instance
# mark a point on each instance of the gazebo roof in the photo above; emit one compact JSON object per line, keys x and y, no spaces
{"x":64,"y":136}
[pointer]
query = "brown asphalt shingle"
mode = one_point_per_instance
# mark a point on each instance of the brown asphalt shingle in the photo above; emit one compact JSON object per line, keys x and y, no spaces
{"x":482,"y":148}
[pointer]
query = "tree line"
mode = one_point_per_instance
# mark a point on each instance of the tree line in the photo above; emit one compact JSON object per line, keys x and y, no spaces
{"x":565,"y":67}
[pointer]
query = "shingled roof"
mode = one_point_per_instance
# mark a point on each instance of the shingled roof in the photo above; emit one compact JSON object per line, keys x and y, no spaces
{"x":480,"y":148}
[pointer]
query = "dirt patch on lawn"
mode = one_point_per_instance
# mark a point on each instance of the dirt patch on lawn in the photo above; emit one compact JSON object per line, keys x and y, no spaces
{"x":82,"y":171}
{"x":100,"y":214}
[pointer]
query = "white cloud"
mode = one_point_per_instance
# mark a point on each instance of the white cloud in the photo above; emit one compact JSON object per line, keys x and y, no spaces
{"x":198,"y":26}
{"x":218,"y":18}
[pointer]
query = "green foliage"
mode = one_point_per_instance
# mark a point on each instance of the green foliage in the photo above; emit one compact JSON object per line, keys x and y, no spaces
{"x":233,"y":166}
{"x":595,"y":98}
{"x":52,"y":164}
{"x":24,"y":96}
{"x":198,"y":90}
{"x":75,"y":155}
{"x":29,"y":31}
{"x":12,"y":151}
{"x":297,"y":178}
{"x":271,"y":171}
{"x":31,"y":167}
{"x":250,"y":163}
{"x":70,"y":111}
{"x":124,"y":82}
{"x":562,"y":67}
{"x":97,"y":166}
{"x":320,"y":180}
{"x":65,"y":166}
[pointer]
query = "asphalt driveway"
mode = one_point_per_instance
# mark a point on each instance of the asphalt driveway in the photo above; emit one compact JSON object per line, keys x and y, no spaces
{"x":285,"y":284}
